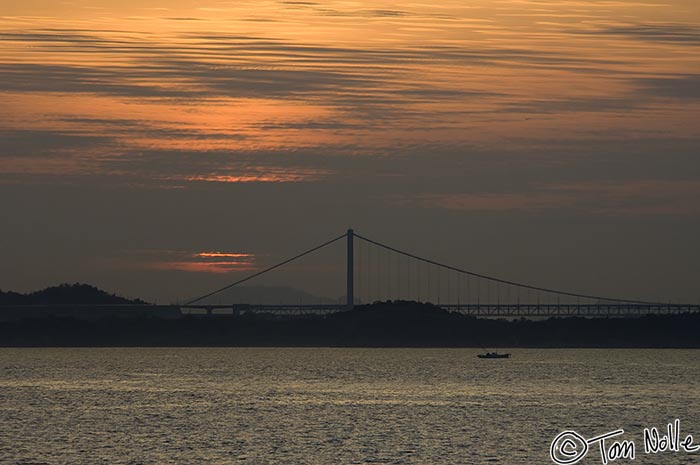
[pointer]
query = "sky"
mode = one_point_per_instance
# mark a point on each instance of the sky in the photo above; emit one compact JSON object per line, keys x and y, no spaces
{"x":161,"y":149}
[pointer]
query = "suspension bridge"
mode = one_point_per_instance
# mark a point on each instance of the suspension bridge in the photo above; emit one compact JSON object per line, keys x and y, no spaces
{"x":378,"y":272}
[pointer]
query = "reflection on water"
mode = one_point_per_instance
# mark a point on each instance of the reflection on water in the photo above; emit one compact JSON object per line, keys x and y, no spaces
{"x":331,"y":406}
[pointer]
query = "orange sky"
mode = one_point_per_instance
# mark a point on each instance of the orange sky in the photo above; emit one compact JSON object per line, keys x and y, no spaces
{"x":562,"y":105}
{"x":351,"y":76}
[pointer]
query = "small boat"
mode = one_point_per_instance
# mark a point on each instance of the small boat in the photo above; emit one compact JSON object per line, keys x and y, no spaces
{"x":493,"y":355}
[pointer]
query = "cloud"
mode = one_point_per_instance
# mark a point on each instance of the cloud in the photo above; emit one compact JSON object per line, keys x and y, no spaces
{"x":67,"y":153}
{"x":684,"y":88}
{"x":193,"y":262}
{"x":86,"y":38}
{"x":47,"y":143}
{"x":148,"y":129}
{"x":118,"y":81}
{"x":328,"y":99}
{"x":607,"y":198}
{"x":679,"y":33}
{"x":485,"y":201}
{"x":178,"y":166}
{"x":185,"y":19}
{"x":366,"y":88}
{"x":193,"y":67}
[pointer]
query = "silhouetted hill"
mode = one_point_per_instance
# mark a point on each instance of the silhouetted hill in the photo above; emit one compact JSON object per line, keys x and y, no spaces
{"x":66,"y":294}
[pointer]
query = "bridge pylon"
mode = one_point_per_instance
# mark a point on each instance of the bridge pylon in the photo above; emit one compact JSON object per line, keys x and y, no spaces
{"x":350,"y":286}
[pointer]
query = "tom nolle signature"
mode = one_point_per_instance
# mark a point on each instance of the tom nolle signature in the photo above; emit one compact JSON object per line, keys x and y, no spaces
{"x":569,"y":447}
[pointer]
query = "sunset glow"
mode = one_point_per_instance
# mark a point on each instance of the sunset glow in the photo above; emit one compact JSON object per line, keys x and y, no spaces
{"x":112,"y":87}
{"x":218,"y":125}
{"x":197,"y":262}
{"x":202,"y":267}
{"x":222,"y":254}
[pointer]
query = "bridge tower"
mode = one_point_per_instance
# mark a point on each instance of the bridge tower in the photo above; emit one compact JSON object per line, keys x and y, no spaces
{"x":350,"y":291}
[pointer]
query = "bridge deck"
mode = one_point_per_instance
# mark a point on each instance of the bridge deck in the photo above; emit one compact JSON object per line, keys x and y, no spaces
{"x":485,"y":310}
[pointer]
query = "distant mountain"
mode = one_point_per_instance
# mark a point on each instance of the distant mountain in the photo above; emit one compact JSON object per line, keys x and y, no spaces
{"x":77,"y":294}
{"x":266,"y":295}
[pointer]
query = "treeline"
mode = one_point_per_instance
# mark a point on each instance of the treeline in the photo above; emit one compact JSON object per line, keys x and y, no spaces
{"x":395,"y":324}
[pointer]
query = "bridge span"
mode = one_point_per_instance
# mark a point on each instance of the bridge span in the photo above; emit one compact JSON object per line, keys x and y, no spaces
{"x":478,"y":310}
{"x":376,"y":272}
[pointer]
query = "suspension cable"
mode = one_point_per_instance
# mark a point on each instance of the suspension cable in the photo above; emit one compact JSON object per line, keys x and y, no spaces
{"x":266,"y":270}
{"x":499,"y":280}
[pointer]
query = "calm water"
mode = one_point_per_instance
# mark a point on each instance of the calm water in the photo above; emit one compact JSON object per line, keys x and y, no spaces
{"x":333,"y":406}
